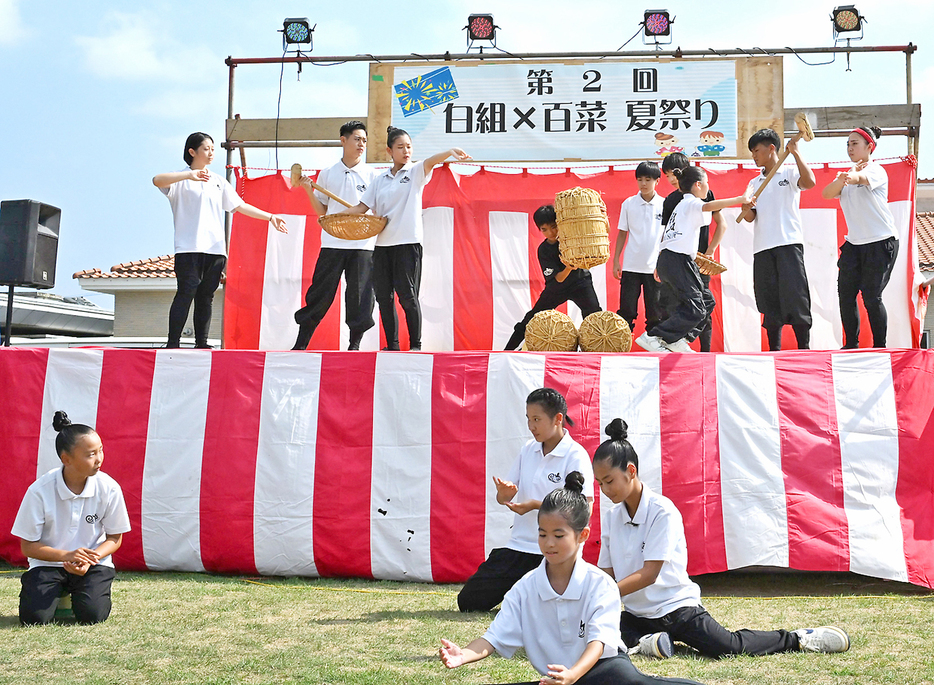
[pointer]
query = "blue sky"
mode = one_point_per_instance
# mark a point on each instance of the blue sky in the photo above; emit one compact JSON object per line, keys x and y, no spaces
{"x":99,"y":96}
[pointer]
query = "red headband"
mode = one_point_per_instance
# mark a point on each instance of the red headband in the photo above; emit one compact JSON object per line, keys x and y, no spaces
{"x":869,"y":138}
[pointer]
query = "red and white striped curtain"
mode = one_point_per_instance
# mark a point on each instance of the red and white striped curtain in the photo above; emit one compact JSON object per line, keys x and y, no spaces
{"x":380,"y":464}
{"x":481,"y":272}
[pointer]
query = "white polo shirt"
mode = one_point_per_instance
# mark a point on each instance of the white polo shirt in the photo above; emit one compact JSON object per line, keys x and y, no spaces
{"x":778,"y":210}
{"x":643,"y":221}
{"x":348,"y":183}
{"x":866,"y":208}
{"x":682,"y":233}
{"x":553,"y":628}
{"x":399,"y":199}
{"x":536,"y":475}
{"x":655,"y":533}
{"x":52,"y":514}
{"x":198,"y":210}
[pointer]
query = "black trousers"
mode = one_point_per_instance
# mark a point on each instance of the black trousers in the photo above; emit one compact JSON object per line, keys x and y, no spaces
{"x":694,"y":300}
{"x":696,"y":628}
{"x":359,"y":299}
{"x":555,"y":294}
{"x":197,"y":275}
{"x":782,"y":294}
{"x":618,"y":670}
{"x":397,"y":271}
{"x":865,"y":269}
{"x":42,"y":586}
{"x":494,"y":577}
{"x":631,"y":284}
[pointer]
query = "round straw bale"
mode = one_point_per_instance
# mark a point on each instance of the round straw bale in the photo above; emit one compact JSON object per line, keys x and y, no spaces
{"x":605,"y":332}
{"x":551,"y":331}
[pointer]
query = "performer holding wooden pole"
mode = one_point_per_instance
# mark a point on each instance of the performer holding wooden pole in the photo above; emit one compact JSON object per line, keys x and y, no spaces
{"x":780,"y":281}
{"x":348,"y":179}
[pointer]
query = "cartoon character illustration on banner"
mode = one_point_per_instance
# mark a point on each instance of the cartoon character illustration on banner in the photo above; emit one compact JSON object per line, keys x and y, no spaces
{"x":711,"y":144}
{"x":667,"y":144}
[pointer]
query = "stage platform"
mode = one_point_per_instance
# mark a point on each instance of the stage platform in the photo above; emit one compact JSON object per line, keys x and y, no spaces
{"x":379,"y":464}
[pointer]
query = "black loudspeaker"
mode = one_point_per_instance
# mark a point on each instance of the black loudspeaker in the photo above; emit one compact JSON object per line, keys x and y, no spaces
{"x":28,"y":243}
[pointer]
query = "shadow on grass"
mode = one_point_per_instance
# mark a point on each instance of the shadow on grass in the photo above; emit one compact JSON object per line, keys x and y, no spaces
{"x":377,"y":616}
{"x":778,"y":582}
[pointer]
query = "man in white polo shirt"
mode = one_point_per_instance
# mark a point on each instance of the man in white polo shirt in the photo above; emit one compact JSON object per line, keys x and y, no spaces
{"x":779,"y":279}
{"x":347,"y":179}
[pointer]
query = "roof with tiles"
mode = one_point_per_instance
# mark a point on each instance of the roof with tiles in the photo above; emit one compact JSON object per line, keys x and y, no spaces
{"x":154,"y":267}
{"x":924,"y":226}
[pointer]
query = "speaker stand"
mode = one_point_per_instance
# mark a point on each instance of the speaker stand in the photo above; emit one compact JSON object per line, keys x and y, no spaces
{"x":9,"y":316}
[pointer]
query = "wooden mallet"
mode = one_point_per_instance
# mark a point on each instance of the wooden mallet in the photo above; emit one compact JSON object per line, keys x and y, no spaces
{"x":804,"y":131}
{"x":297,"y":177}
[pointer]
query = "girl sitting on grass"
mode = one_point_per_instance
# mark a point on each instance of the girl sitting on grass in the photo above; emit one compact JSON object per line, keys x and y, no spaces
{"x":563,"y":613}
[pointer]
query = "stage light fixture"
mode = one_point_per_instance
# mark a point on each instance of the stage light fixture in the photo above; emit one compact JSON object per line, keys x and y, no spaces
{"x":481,"y":27}
{"x":846,"y":19}
{"x":657,"y":23}
{"x":296,"y":31}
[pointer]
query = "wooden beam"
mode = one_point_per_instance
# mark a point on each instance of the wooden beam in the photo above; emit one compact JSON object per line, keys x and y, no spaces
{"x":264,"y":130}
{"x":894,"y":119}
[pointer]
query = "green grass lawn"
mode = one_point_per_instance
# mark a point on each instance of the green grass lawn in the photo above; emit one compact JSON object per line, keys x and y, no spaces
{"x":194,"y":628}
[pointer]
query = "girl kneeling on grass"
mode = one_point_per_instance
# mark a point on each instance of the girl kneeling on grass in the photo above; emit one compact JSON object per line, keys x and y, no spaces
{"x":563,"y":613}
{"x":70,"y":521}
{"x":643,"y":548}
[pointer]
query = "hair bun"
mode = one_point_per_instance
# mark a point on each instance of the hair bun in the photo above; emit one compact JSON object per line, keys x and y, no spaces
{"x":60,"y":421}
{"x":876,"y":131}
{"x":574,"y":482}
{"x":677,"y":172}
{"x":617,"y":429}
{"x":390,"y":129}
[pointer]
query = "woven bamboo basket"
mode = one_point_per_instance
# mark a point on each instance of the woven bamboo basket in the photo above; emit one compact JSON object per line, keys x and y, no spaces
{"x":583,"y":228}
{"x":352,"y":226}
{"x":551,"y":331}
{"x":605,"y":332}
{"x":708,"y":266}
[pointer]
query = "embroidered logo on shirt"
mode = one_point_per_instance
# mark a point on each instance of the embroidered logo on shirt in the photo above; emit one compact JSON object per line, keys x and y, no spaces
{"x":580,"y":633}
{"x":548,"y":272}
{"x":361,"y":187}
{"x":554,"y":477}
{"x":91,"y":518}
{"x":784,"y":182}
{"x":405,"y":179}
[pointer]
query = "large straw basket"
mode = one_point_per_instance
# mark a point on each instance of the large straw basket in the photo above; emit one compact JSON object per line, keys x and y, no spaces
{"x":551,"y":331}
{"x":583,"y":228}
{"x":352,"y":226}
{"x":708,"y":266}
{"x":605,"y":332}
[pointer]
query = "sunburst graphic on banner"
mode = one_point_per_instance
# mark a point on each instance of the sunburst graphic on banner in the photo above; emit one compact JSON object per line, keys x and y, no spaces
{"x":425,"y":91}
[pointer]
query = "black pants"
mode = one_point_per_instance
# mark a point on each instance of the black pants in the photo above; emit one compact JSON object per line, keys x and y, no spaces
{"x":555,"y":294}
{"x":494,"y":577}
{"x":694,"y":300}
{"x":782,"y":293}
{"x":197,"y":275}
{"x":630,"y":285}
{"x":865,"y":269}
{"x":618,"y":670}
{"x":43,"y":585}
{"x":696,"y":628}
{"x":397,"y":270}
{"x":358,"y":297}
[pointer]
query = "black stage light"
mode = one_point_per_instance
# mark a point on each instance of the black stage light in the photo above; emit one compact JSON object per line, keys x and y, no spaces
{"x":847,"y":19}
{"x":481,"y":27}
{"x":657,"y":23}
{"x":296,"y":31}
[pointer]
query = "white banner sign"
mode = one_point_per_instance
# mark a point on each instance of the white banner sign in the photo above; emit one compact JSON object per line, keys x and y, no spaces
{"x":594,"y":111}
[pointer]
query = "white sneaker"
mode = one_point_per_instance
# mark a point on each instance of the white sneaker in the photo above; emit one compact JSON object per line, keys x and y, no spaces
{"x":650,"y":343}
{"x":656,"y":644}
{"x":679,"y":346}
{"x":828,"y":639}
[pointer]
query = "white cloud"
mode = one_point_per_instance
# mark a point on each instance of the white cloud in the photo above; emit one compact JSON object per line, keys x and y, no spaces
{"x":12,"y":30}
{"x":137,"y":48}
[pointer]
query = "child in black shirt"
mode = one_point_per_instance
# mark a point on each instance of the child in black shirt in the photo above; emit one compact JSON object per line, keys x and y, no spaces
{"x":562,"y":283}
